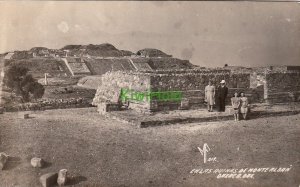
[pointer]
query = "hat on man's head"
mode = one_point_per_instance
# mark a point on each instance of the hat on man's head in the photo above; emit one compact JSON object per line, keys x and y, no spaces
{"x":222,"y":82}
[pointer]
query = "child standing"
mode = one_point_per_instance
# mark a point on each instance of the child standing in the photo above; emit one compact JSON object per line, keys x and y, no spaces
{"x":236,"y":102}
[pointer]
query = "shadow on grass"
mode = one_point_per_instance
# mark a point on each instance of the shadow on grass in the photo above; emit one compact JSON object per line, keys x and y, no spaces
{"x":46,"y":164}
{"x":251,"y":115}
{"x":265,"y":114}
{"x":121,"y":185}
{"x":75,"y":180}
{"x":12,"y":162}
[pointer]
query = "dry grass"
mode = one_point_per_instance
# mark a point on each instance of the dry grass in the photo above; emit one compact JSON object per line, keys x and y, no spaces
{"x":103,"y":152}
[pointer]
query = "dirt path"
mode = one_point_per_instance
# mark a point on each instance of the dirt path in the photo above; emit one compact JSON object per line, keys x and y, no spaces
{"x":102,"y":152}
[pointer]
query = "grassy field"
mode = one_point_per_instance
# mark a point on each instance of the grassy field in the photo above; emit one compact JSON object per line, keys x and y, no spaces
{"x":103,"y":152}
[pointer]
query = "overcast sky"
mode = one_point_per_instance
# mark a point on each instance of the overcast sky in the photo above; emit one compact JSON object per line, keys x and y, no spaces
{"x":206,"y":33}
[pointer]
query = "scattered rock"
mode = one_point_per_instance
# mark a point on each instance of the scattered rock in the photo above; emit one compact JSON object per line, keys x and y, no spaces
{"x":1,"y":110}
{"x":62,"y":177}
{"x":26,"y":116}
{"x":37,"y":162}
{"x":184,"y":105}
{"x":49,"y":179}
{"x":3,"y":160}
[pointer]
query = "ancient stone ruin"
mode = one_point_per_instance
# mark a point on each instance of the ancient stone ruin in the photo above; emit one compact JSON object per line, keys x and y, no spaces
{"x":164,"y":90}
{"x":148,"y":80}
{"x":282,"y":85}
{"x":151,"y":91}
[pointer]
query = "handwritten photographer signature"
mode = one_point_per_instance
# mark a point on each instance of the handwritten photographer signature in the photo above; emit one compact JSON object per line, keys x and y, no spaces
{"x":204,"y":152}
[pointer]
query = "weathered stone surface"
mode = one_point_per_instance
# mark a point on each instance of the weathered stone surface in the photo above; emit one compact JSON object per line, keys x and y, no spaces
{"x":184,"y":104}
{"x":112,"y":83}
{"x":26,"y":116}
{"x":37,"y":162}
{"x":3,"y":160}
{"x":190,"y":84}
{"x":44,"y":104}
{"x":62,"y":177}
{"x":1,"y":110}
{"x":49,"y":179}
{"x":108,"y":107}
{"x":76,"y":67}
{"x":282,"y":86}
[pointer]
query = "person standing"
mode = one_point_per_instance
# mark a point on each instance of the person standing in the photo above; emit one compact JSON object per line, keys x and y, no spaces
{"x":210,"y":91}
{"x":236,"y":102}
{"x":244,"y":105}
{"x":222,"y":94}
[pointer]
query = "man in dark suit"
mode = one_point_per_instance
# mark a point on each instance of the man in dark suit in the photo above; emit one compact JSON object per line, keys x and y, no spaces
{"x":222,"y":94}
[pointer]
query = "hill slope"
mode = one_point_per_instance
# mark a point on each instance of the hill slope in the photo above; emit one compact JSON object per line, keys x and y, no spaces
{"x":101,"y":50}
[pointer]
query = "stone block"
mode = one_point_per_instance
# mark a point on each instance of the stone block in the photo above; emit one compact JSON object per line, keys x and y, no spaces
{"x":62,"y":177}
{"x":112,"y":107}
{"x":49,"y":179}
{"x":26,"y":116}
{"x":37,"y":162}
{"x":1,"y":110}
{"x":153,"y":106}
{"x":108,"y":107}
{"x":3,"y":160}
{"x":184,"y":104}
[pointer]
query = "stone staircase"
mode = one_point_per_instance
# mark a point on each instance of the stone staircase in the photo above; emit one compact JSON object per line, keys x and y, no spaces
{"x":76,"y":67}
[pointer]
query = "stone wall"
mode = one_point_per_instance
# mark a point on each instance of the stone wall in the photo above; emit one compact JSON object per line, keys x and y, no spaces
{"x":101,"y":66}
{"x":112,"y":83}
{"x":282,"y":68}
{"x":190,"y":83}
{"x":47,"y":104}
{"x":39,"y":66}
{"x":282,"y":86}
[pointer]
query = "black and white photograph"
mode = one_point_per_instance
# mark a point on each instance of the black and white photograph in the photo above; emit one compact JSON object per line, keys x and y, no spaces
{"x":150,"y":93}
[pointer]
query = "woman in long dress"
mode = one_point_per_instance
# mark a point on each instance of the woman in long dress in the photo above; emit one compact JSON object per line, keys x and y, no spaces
{"x":210,"y":92}
{"x":244,"y":105}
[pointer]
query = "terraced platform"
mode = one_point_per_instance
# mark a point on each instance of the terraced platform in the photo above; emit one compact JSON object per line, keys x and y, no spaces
{"x":76,"y":67}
